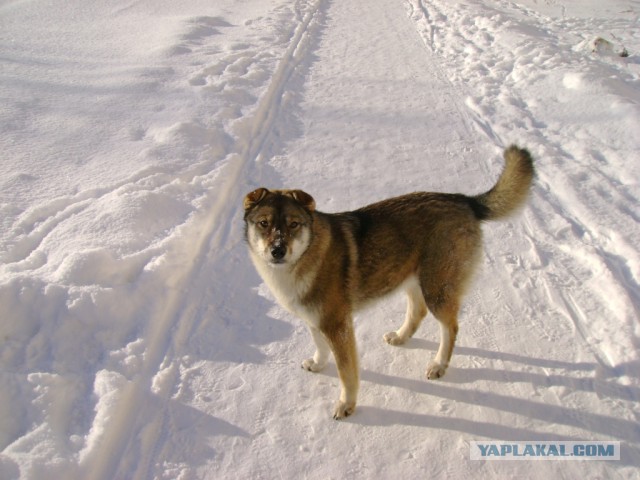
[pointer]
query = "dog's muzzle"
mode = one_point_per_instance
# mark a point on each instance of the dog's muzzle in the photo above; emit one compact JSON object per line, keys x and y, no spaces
{"x":278,"y":252}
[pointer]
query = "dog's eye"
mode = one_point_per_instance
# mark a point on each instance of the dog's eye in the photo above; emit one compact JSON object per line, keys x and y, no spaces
{"x":263,"y":224}
{"x":294,"y":225}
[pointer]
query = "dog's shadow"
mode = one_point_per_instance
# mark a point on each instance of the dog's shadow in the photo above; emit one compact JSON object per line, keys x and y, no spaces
{"x":599,"y":384}
{"x":459,"y":385}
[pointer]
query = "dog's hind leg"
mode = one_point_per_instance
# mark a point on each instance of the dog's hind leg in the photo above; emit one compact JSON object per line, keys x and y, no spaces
{"x":416,"y":311}
{"x":447,"y":316}
{"x":443,"y":288}
{"x":320,"y":358}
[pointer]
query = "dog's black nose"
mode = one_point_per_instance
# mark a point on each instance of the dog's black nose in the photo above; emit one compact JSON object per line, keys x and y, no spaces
{"x":278,"y":252}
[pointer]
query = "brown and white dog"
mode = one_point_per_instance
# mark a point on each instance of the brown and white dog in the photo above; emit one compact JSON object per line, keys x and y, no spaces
{"x":323,"y":267}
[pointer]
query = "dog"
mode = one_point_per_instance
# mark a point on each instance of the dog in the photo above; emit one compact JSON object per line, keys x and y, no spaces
{"x":323,"y":267}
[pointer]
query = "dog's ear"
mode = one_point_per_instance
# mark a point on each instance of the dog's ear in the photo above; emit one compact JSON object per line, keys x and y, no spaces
{"x":255,"y":197}
{"x":303,"y":198}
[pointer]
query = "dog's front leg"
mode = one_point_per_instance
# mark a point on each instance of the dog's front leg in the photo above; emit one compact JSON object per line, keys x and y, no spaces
{"x":343,"y":345}
{"x":320,"y":358}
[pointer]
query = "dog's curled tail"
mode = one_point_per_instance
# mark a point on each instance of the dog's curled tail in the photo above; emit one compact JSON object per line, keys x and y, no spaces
{"x":512,"y":188}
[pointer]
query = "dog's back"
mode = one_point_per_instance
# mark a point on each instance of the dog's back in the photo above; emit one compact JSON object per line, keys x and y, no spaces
{"x":434,"y":235}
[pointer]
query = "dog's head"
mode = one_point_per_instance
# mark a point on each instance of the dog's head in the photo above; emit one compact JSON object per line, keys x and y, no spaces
{"x":278,"y":224}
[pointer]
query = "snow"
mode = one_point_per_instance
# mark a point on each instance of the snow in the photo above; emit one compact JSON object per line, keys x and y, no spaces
{"x":138,"y":342}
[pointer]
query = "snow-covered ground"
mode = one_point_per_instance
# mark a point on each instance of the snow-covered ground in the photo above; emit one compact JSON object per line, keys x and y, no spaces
{"x":136,"y":340}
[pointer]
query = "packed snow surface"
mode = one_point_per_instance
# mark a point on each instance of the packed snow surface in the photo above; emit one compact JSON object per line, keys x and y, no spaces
{"x":136,"y":339}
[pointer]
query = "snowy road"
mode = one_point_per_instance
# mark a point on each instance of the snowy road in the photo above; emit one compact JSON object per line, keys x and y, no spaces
{"x":138,"y":341}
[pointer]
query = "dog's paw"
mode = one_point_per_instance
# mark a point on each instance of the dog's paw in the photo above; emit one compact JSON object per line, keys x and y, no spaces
{"x":312,"y":366}
{"x":435,"y":370}
{"x":343,"y":410}
{"x":392,"y":338}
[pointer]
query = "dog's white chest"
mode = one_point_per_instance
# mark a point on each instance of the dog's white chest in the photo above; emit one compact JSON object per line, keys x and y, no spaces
{"x":288,"y":289}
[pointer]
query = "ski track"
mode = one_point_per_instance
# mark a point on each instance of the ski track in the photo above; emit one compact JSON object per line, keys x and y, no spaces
{"x":177,"y":394}
{"x":177,"y":313}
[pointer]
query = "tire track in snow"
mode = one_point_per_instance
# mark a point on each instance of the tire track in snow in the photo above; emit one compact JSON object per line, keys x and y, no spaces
{"x":427,"y":25}
{"x":501,"y":77}
{"x":176,"y":314}
{"x":427,"y":18}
